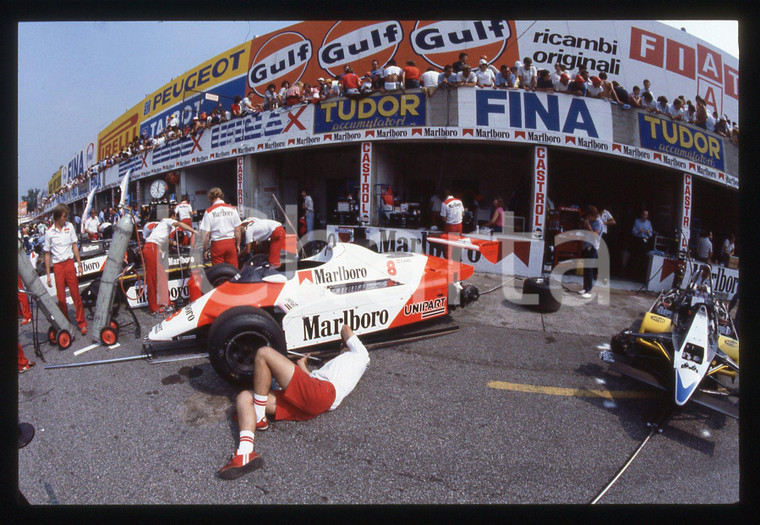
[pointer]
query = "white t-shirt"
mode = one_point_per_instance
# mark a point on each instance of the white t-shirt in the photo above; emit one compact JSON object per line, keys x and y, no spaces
{"x":148,"y":228}
{"x":592,"y":90}
{"x":429,"y":78}
{"x":345,"y":370}
{"x":728,"y":247}
{"x":184,"y":210}
{"x":560,"y":87}
{"x":91,"y":225}
{"x":221,"y":220}
{"x":58,"y":242}
{"x":485,"y":78}
{"x":452,"y":210}
{"x":391,"y":70}
{"x":704,"y":248}
{"x":470,"y":78}
{"x":260,"y":230}
{"x":308,"y":203}
{"x":675,"y":113}
{"x":161,"y":231}
{"x":605,"y":216}
{"x":525,"y":75}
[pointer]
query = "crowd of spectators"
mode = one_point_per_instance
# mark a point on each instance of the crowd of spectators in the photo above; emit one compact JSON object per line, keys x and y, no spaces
{"x":391,"y":77}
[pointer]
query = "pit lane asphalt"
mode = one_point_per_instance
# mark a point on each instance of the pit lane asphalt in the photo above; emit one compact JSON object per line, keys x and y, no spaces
{"x":422,"y":426}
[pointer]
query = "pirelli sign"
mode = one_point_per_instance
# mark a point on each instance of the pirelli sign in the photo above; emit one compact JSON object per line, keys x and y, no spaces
{"x":113,"y":139}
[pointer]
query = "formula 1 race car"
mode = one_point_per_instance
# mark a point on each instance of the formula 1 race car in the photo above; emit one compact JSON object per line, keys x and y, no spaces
{"x":306,"y":302}
{"x":685,"y":342}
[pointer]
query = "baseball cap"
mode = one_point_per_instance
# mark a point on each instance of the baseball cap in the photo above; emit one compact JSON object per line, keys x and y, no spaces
{"x":320,"y":79}
{"x":482,"y":61}
{"x":564,"y":76}
{"x":596,"y":80}
{"x":579,"y":78}
{"x":518,"y":64}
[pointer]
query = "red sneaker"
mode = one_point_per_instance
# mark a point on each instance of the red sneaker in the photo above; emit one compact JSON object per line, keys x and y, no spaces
{"x":27,"y":367}
{"x":26,"y":321}
{"x":241,"y":464}
{"x":261,"y":425}
{"x":83,"y":329}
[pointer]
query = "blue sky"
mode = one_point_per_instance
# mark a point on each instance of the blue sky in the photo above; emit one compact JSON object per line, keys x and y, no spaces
{"x":75,"y":78}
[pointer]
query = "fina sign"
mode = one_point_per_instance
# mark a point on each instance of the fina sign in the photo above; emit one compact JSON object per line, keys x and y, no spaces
{"x":364,"y":192}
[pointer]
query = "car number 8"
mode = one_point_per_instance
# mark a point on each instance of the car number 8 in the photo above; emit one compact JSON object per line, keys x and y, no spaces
{"x":391,"y":268}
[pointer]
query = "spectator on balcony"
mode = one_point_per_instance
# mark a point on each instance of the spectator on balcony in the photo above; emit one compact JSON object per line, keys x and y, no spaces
{"x":293,"y":94}
{"x":447,"y":78}
{"x":324,"y":88}
{"x":675,"y":111}
{"x":721,"y":127}
{"x":648,"y":103}
{"x":195,"y":125}
{"x":217,"y":115}
{"x":235,"y":108}
{"x":544,"y":81}
{"x":350,"y":82}
{"x":367,"y":87}
{"x":647,"y":88}
{"x":377,"y":76}
{"x":246,"y":104}
{"x":712,"y":121}
{"x":392,"y":77}
{"x":410,"y":75}
{"x":594,"y":88}
{"x":634,"y":98}
{"x":735,"y":133}
{"x":505,"y":79}
{"x":516,"y":84}
{"x":557,"y":73}
{"x":466,"y":77}
{"x":662,"y":105}
{"x":284,"y":86}
{"x":271,"y":99}
{"x":527,"y":74}
{"x":459,"y":64}
{"x":609,"y":91}
{"x":429,"y":81}
{"x":620,"y":92}
{"x":577,"y":86}
{"x":484,"y":77}
{"x":563,"y":85}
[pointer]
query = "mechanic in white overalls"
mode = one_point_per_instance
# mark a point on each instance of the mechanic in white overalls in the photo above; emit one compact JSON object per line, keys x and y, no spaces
{"x":261,"y":230}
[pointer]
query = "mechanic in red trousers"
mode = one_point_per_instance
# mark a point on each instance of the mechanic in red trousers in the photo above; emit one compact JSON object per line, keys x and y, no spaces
{"x":23,"y":304}
{"x":452,"y":213}
{"x":306,"y":394}
{"x":260,"y":230}
{"x":23,"y":363}
{"x":61,"y":242}
{"x":221,"y":227}
{"x":155,"y":275}
{"x":185,"y":214}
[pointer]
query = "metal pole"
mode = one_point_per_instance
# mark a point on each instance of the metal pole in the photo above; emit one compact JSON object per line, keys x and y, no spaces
{"x":105,"y":361}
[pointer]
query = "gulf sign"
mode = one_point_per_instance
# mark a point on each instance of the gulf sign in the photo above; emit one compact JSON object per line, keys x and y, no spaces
{"x":390,"y":110}
{"x":680,"y":140}
{"x":441,"y":42}
{"x":357,"y":44}
{"x":283,"y":56}
{"x":366,"y":174}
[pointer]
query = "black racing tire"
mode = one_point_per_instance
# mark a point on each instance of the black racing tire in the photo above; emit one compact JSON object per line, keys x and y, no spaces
{"x":540,"y":286}
{"x":367,"y":243}
{"x":234,"y":338}
{"x":220,"y":273}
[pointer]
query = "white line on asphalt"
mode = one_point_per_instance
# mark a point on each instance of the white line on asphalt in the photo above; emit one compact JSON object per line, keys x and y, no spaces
{"x":86,"y":348}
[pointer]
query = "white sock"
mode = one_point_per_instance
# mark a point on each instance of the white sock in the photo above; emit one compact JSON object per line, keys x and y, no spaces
{"x":260,"y":406}
{"x":246,"y":442}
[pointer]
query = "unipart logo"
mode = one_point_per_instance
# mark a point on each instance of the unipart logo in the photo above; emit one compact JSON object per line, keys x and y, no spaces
{"x":282,"y":57}
{"x":441,"y":42}
{"x":358,"y":44}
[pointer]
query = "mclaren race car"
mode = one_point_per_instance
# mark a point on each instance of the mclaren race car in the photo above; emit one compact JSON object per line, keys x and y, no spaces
{"x":305,"y":303}
{"x":685,"y":344}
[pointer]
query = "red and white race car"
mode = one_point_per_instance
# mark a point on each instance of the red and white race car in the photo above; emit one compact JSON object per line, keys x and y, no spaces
{"x":307,"y":304}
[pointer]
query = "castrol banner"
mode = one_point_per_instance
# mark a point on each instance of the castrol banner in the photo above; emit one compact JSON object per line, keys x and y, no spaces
{"x":538,"y":212}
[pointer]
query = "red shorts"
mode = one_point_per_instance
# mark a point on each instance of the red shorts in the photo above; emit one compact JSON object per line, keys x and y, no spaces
{"x":305,"y":398}
{"x":453,"y":228}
